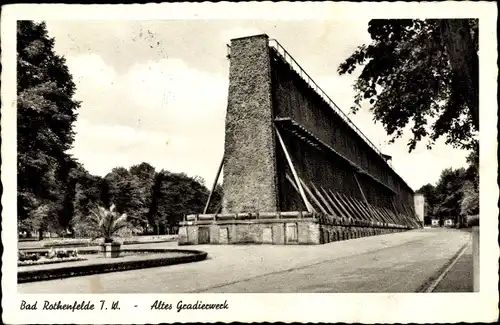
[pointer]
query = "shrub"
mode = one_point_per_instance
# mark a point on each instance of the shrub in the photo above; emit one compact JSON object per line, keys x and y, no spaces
{"x":28,"y":257}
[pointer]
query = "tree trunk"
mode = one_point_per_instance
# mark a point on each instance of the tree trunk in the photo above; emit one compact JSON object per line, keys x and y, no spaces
{"x":464,"y":62}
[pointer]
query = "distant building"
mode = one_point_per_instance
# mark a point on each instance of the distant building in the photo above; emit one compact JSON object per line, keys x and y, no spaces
{"x":419,"y":201}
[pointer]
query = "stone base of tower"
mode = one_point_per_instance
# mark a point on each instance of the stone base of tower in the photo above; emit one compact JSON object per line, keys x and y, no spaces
{"x":277,"y":228}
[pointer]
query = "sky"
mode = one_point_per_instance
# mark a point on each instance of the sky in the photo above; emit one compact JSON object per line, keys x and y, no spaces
{"x":156,"y":91}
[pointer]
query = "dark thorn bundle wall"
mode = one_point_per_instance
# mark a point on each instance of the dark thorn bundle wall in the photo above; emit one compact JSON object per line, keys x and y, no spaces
{"x":293,"y":98}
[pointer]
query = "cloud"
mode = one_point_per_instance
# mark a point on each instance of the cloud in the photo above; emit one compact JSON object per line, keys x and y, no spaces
{"x":140,"y":105}
{"x":163,"y":112}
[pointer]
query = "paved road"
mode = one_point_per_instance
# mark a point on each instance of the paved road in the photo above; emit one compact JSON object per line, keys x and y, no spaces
{"x":401,"y":262}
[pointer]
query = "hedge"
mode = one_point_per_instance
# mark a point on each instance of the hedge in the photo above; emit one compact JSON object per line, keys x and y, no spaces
{"x":81,"y":270}
{"x":87,"y":243}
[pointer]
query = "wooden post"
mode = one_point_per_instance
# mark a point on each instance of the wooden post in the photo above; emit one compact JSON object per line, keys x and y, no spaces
{"x":348,"y":214}
{"x":311,"y":195}
{"x":333,"y":204}
{"x":370,"y":211}
{"x":213,"y":186}
{"x":362,"y":208}
{"x":386,"y":212}
{"x":295,"y":187}
{"x":377,"y":211}
{"x":396,"y":212}
{"x":325,"y":202}
{"x":359,"y":187}
{"x":294,"y":173}
{"x":292,"y":183}
{"x":349,"y":205}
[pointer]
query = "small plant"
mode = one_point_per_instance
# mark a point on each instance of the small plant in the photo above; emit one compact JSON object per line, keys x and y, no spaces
{"x":62,"y":253}
{"x":27,"y":257}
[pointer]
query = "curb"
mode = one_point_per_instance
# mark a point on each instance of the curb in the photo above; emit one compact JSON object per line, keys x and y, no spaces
{"x":435,"y":279}
{"x":82,"y":270}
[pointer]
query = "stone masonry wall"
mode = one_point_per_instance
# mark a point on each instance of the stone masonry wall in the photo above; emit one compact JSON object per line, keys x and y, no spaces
{"x":293,"y":229}
{"x":249,"y":180}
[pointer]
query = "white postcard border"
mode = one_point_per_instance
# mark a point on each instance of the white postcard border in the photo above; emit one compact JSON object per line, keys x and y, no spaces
{"x":365,"y":308}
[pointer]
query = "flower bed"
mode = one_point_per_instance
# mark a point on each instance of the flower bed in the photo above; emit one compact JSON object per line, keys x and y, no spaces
{"x":47,"y":257}
{"x":106,"y":267}
{"x":43,"y":261}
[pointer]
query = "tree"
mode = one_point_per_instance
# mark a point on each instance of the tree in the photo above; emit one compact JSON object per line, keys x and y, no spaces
{"x":469,"y":204}
{"x":449,"y":193}
{"x":473,"y":161}
{"x":175,"y":196}
{"x":124,"y":191}
{"x":417,"y":72}
{"x":144,"y":175}
{"x":470,"y":190}
{"x":45,"y":116}
{"x":87,"y":193}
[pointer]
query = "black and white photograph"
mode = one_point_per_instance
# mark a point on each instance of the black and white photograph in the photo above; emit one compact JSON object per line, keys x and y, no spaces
{"x":191,"y":157}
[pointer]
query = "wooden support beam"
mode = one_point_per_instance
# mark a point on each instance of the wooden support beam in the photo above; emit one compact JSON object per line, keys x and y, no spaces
{"x":408,"y":219}
{"x":404,"y":208}
{"x":214,"y":185}
{"x":384,"y":218}
{"x":311,"y":195}
{"x":219,"y":207}
{"x":340,"y":204}
{"x":353,"y":207}
{"x":401,"y":216}
{"x":393,"y":205}
{"x":334,"y":205}
{"x":325,"y":202}
{"x":396,"y":211}
{"x":359,"y":187}
{"x":294,"y":126}
{"x":370,"y":211}
{"x":349,"y":206}
{"x":296,"y":188}
{"x":405,"y":219}
{"x":357,"y":204}
{"x":352,"y":213}
{"x":368,"y":215}
{"x":294,"y":173}
{"x":411,"y":215}
{"x":394,"y":216}
{"x":384,"y":211}
{"x":292,"y":183}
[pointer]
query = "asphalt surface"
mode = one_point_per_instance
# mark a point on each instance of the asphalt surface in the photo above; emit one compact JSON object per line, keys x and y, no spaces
{"x":401,"y":262}
{"x":459,"y":278}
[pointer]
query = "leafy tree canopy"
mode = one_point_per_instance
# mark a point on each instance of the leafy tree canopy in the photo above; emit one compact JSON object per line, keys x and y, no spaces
{"x":419,"y":73}
{"x":45,"y":115}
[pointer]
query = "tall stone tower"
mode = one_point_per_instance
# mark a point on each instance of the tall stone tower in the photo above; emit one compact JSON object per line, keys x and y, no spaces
{"x":250,"y":176}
